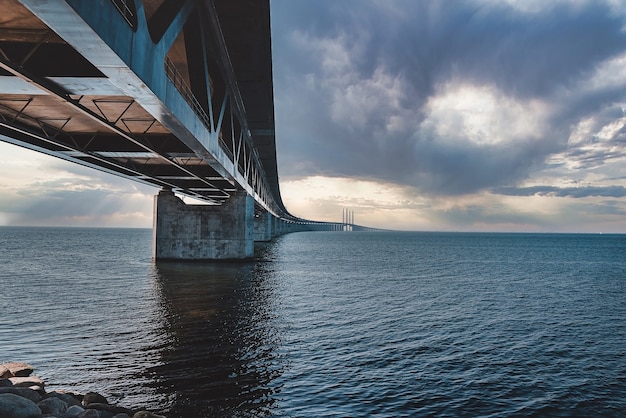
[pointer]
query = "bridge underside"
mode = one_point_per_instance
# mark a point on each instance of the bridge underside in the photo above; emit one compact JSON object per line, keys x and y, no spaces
{"x":56,"y":101}
{"x":173,"y":93}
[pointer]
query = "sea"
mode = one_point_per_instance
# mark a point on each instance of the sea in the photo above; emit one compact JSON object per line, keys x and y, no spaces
{"x":324,"y":324}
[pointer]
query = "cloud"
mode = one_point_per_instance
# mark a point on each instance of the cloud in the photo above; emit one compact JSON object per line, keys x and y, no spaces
{"x":390,"y":206}
{"x":40,"y":190}
{"x":574,"y":192}
{"x":418,"y":114}
{"x":449,"y":100}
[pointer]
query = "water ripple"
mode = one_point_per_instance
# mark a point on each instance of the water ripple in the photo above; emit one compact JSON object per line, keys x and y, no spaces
{"x":382,"y":325}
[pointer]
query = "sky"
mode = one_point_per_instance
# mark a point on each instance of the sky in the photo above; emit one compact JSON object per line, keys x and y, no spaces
{"x":449,"y":115}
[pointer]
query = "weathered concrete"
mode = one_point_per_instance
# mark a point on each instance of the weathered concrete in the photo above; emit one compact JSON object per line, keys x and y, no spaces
{"x":203,"y":232}
{"x":280,"y":227}
{"x":263,"y":227}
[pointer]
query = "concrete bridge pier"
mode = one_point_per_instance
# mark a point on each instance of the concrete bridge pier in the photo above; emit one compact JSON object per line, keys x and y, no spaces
{"x":264,"y":227}
{"x":282,"y":227}
{"x":277,"y":227}
{"x":203,"y":232}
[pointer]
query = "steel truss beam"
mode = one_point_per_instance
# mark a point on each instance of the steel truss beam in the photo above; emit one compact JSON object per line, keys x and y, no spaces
{"x":77,"y":106}
{"x":126,"y":56}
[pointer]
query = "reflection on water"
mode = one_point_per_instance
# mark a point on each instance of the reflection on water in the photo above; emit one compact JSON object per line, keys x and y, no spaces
{"x":218,"y":345}
{"x":324,"y":324}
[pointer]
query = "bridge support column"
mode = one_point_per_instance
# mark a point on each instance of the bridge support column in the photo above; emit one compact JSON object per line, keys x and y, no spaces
{"x":203,"y":232}
{"x":279,"y":227}
{"x":264,"y":227}
{"x":275,"y":227}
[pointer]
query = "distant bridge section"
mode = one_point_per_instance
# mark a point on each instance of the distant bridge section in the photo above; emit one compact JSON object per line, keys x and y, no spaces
{"x":172,"y":93}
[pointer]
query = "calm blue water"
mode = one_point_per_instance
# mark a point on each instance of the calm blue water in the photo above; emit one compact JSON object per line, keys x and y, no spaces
{"x":325,"y":324}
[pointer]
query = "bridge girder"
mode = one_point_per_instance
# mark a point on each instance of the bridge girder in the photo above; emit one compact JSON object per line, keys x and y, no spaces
{"x":146,"y":90}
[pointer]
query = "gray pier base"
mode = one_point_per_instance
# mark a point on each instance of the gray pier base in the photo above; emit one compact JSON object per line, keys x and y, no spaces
{"x":264,"y":227}
{"x":203,"y":232}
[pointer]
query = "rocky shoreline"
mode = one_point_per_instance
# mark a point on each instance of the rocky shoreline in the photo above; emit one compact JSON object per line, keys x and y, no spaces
{"x":23,"y":395}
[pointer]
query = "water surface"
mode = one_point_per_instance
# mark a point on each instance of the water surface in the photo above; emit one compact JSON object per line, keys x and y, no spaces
{"x":325,"y":324}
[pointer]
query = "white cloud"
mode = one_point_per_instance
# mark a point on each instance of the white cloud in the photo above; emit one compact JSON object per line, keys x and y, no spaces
{"x":375,"y":203}
{"x":483,"y":115}
{"x":333,"y":54}
{"x":377,"y":97}
{"x":36,"y":189}
{"x":608,"y":75}
{"x":355,"y":98}
{"x":596,"y":140}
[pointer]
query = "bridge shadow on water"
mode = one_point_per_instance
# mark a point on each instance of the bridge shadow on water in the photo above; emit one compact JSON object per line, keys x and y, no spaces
{"x":218,"y":343}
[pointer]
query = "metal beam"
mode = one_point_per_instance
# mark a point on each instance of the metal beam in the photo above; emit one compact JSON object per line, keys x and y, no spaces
{"x":54,"y":91}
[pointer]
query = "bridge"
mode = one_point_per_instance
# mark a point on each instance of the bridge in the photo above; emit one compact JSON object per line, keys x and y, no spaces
{"x":173,"y":93}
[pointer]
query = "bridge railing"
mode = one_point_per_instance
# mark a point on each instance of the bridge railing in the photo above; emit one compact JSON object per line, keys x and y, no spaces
{"x":127,"y":10}
{"x":181,"y":85}
{"x":230,"y":121}
{"x":245,"y":152}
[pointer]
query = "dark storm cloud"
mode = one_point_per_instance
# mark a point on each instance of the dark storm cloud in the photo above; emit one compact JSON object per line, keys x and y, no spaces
{"x":462,"y":217}
{"x":500,"y":217}
{"x":575,"y":192}
{"x":354,"y":79}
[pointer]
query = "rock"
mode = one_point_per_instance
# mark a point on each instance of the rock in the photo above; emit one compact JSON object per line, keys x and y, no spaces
{"x":146,"y":414}
{"x":24,"y":382}
{"x":74,"y":411}
{"x":39,"y":389}
{"x":52,"y":406}
{"x":89,"y":413}
{"x":14,"y":406}
{"x":68,"y":398}
{"x":93,"y":397}
{"x":22,"y":395}
{"x":114,"y":410}
{"x":19,"y":369}
{"x":23,"y":392}
{"x":110,"y":408}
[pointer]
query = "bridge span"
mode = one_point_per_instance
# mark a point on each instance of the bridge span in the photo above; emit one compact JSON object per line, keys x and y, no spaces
{"x":173,"y":93}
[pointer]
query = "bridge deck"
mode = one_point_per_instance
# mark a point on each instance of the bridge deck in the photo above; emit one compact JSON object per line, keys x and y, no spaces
{"x":169,"y":93}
